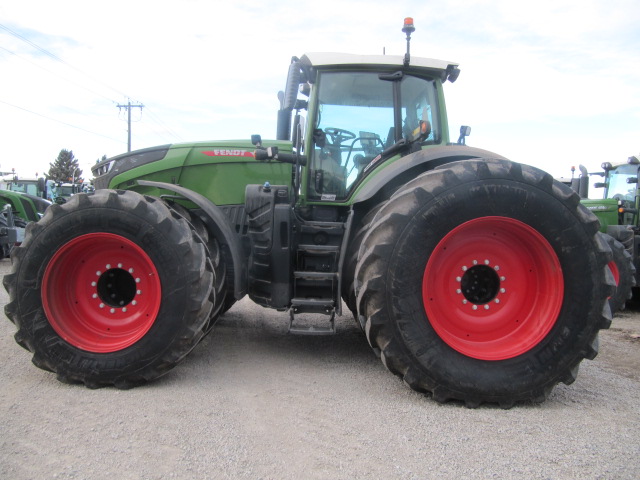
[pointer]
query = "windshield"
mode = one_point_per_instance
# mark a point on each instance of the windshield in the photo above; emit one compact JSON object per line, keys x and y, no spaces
{"x":24,"y":187}
{"x":618,"y":187}
{"x":355,"y":123}
{"x":64,"y":190}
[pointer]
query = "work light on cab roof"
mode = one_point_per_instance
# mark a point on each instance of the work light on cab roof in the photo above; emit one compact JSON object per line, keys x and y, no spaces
{"x":408,"y":28}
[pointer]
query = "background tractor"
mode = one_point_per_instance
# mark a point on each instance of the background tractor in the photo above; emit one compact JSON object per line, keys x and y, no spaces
{"x":618,"y":211}
{"x":22,"y":202}
{"x":473,"y":277}
{"x":36,"y":187}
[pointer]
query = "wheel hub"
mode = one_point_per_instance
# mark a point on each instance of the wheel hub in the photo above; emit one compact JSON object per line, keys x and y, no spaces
{"x":480,"y":284}
{"x":116,"y":287}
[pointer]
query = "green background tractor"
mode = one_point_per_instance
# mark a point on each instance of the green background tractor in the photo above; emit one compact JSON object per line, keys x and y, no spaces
{"x":28,"y":197}
{"x":473,"y":277}
{"x":18,"y":209}
{"x":617,"y":210}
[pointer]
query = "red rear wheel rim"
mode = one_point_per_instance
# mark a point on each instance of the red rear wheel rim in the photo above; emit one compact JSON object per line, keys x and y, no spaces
{"x":101,"y":292}
{"x":493,"y":288}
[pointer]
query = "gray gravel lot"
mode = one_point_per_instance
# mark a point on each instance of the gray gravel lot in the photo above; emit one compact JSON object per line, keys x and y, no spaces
{"x":252,"y":402}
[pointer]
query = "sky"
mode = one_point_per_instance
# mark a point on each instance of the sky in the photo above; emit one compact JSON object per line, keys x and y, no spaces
{"x":550,"y":83}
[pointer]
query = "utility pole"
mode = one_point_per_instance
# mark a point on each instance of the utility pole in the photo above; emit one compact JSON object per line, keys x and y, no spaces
{"x":128,"y":106}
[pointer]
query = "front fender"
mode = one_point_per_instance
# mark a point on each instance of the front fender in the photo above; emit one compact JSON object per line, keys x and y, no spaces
{"x":221,"y":229}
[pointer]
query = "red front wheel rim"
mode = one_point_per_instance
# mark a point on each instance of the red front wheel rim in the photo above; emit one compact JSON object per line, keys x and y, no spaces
{"x":493,"y":288}
{"x":101,"y":292}
{"x":613,"y":266}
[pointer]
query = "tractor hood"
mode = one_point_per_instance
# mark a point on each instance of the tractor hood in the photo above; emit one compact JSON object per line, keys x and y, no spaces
{"x":150,"y":161}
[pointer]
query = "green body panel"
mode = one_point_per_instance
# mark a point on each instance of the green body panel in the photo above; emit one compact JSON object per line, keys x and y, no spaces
{"x":217,"y":170}
{"x":605,"y":209}
{"x":27,"y":207}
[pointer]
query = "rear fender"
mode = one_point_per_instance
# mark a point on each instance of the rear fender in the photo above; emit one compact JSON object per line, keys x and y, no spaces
{"x":389,"y":178}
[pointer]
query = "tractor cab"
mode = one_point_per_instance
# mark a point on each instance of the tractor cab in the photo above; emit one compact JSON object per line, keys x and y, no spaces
{"x":357,"y":115}
{"x":621,"y":185}
{"x":621,"y":181}
{"x":360,"y":111}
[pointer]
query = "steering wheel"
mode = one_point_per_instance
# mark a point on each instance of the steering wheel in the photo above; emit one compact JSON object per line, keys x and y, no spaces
{"x":338,"y":135}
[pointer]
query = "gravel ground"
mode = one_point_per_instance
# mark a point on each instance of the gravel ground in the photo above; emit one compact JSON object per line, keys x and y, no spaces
{"x":252,"y":402}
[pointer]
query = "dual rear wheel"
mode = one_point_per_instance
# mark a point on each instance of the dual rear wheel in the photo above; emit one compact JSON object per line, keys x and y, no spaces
{"x":113,"y":288}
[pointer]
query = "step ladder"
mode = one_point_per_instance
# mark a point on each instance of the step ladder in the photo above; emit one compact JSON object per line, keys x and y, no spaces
{"x":316,"y":278}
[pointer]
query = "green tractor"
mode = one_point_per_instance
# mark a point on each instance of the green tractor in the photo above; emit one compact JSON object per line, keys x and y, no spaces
{"x":618,"y":212}
{"x":29,"y":198}
{"x":18,"y":209}
{"x":474,"y":278}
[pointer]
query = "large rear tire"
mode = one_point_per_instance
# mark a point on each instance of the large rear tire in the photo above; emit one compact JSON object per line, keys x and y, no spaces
{"x":109,"y":289}
{"x":348,"y":281}
{"x":484,"y":281}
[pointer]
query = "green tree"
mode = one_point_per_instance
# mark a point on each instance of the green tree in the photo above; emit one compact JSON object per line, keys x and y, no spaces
{"x":65,"y":168}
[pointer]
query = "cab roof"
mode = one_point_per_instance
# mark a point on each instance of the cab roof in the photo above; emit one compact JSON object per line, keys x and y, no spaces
{"x":320,"y":59}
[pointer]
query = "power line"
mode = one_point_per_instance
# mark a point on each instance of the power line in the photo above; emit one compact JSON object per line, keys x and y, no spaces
{"x":58,"y":59}
{"x":59,"y":121}
{"x":129,"y":106}
{"x":57,"y":75}
{"x":26,"y":40}
{"x":154,"y":118}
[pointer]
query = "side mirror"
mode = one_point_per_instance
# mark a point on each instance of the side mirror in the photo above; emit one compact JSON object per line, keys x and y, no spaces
{"x":465,"y":131}
{"x":606,"y":166}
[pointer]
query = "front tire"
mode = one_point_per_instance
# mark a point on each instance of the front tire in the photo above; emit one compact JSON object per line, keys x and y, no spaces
{"x":484,"y":281}
{"x":109,"y":289}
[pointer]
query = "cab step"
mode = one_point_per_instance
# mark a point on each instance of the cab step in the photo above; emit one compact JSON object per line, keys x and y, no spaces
{"x":312,"y":305}
{"x":311,"y":329}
